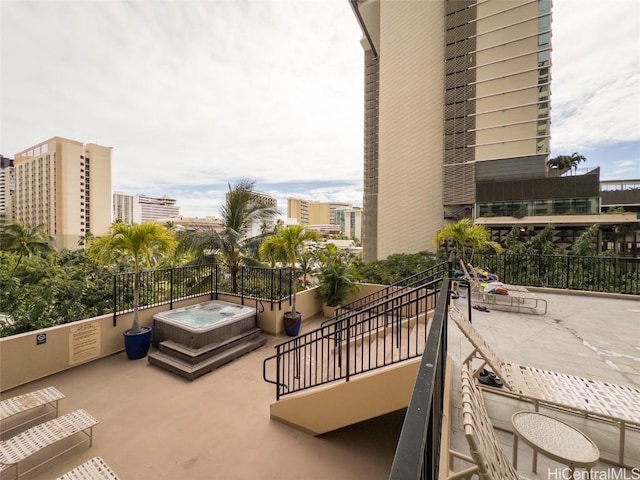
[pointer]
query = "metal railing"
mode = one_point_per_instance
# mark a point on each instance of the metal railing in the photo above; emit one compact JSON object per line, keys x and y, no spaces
{"x":438,"y":271}
{"x":418,"y":451}
{"x":159,"y":287}
{"x":390,"y":331}
{"x":596,"y":274}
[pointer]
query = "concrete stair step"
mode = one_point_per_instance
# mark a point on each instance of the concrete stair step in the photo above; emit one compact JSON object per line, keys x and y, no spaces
{"x":197,"y":355}
{"x":192,"y":371}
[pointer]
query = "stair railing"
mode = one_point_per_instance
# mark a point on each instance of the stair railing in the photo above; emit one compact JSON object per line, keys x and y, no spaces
{"x":390,"y":331}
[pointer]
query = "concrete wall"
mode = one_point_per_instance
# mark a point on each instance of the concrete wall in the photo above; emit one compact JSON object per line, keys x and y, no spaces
{"x":326,"y":409}
{"x":29,"y":356}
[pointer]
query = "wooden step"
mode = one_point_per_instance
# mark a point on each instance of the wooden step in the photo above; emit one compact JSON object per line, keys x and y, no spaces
{"x":191,"y":371}
{"x":197,"y":355}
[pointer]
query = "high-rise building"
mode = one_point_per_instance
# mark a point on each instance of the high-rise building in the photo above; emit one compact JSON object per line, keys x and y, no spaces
{"x":142,"y":208}
{"x":64,"y":185}
{"x":456,"y":92}
{"x":308,"y":212}
{"x":7,"y":189}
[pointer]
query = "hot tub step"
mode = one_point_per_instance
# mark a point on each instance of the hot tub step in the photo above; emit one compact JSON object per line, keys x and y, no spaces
{"x":197,"y":355}
{"x":191,"y":372}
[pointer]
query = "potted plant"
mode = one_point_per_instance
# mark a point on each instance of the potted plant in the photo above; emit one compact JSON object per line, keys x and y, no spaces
{"x":141,"y":244}
{"x":288,"y":244}
{"x":337,"y":279}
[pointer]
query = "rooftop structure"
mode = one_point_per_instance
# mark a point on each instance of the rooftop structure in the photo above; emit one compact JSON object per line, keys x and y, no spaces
{"x":154,"y":424}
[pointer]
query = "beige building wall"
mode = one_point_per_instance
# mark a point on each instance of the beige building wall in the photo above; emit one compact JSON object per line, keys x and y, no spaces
{"x":59,"y":185}
{"x":319,"y":213}
{"x":410,"y":126}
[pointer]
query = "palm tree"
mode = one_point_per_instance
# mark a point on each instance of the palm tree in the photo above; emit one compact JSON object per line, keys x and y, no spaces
{"x":232,"y":245}
{"x":290,"y":242}
{"x":24,"y":241}
{"x":464,"y":235}
{"x":143,"y":244}
{"x":566,"y":162}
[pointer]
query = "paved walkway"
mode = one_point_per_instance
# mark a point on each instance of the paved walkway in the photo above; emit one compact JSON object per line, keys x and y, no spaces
{"x":593,"y":337}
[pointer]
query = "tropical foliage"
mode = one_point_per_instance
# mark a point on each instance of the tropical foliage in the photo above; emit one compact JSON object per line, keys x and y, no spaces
{"x":288,"y":245}
{"x":464,"y":238}
{"x":24,"y":241}
{"x":564,"y":163}
{"x":232,"y":245}
{"x":338,"y":277}
{"x":141,"y":244}
{"x":396,"y":267}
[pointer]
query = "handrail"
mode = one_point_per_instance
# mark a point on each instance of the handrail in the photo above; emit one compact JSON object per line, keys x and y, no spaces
{"x":388,"y":332}
{"x":418,"y":452}
{"x":432,"y":273}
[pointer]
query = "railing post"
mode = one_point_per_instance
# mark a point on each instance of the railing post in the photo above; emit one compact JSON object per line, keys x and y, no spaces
{"x":242,"y":284}
{"x":115,"y":300}
{"x":348,"y":347}
{"x":171,"y":289}
{"x":568,"y":282}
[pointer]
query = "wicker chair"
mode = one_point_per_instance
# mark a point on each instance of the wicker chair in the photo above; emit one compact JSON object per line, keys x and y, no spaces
{"x":613,"y":403}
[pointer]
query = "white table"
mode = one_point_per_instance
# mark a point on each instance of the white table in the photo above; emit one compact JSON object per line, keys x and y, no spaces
{"x":554,"y":439}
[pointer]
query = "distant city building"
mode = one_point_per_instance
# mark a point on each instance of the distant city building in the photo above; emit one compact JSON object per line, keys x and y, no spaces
{"x":258,"y":226}
{"x":193,"y":223}
{"x":308,"y":212}
{"x":132,"y":209}
{"x":350,"y":221}
{"x":64,"y":185}
{"x":7,"y":189}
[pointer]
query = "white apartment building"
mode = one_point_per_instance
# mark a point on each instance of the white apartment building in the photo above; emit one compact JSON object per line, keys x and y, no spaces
{"x":132,"y":209}
{"x":64,"y":185}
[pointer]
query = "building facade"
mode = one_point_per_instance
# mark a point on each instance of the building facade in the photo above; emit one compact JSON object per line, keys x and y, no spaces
{"x":460,"y":96}
{"x":142,"y":208}
{"x":7,"y":189}
{"x":309,"y":212}
{"x":64,"y":185}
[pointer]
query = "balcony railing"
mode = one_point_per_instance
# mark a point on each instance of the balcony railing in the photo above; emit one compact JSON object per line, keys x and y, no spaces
{"x":159,"y":287}
{"x":595,"y":274}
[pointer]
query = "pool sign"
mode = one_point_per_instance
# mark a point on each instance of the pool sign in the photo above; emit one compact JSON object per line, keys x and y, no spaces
{"x":41,"y":338}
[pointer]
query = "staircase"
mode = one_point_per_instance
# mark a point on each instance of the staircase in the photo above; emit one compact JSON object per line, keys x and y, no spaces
{"x":192,"y":363}
{"x":365,"y":360}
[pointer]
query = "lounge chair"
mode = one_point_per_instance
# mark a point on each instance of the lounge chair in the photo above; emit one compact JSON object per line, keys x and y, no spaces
{"x":518,"y":298}
{"x":613,"y":403}
{"x":94,"y":469}
{"x":25,"y":444}
{"x":13,"y":407}
{"x":486,"y":451}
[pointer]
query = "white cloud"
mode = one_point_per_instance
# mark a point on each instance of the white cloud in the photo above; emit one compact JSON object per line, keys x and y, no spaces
{"x":596,"y":74}
{"x":192,"y":95}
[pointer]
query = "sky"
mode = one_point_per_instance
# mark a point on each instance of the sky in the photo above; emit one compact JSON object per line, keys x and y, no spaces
{"x":194,"y":96}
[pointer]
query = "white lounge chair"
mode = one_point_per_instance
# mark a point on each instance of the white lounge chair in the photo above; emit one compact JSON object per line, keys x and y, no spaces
{"x":486,"y":452}
{"x":616,"y":404}
{"x":518,"y":298}
{"x":12,"y":408}
{"x":94,"y":469}
{"x":25,"y":444}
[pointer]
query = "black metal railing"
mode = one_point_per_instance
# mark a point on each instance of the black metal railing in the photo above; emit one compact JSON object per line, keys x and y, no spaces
{"x":418,"y":451}
{"x":391,"y":331}
{"x":159,"y":287}
{"x":421,"y":278}
{"x":596,"y":274}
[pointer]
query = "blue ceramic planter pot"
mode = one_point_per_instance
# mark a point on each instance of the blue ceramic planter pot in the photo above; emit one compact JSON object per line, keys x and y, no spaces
{"x":292,"y":322}
{"x":137,"y":344}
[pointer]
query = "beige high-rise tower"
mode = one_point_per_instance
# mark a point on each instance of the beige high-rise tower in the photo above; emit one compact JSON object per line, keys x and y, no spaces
{"x":65,"y":186}
{"x":455,"y":92}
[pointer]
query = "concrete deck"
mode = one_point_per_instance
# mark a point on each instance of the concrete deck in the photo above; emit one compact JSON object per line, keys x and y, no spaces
{"x":156,"y":425}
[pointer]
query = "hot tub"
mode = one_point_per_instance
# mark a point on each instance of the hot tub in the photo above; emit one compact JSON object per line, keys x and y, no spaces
{"x":203,"y":324}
